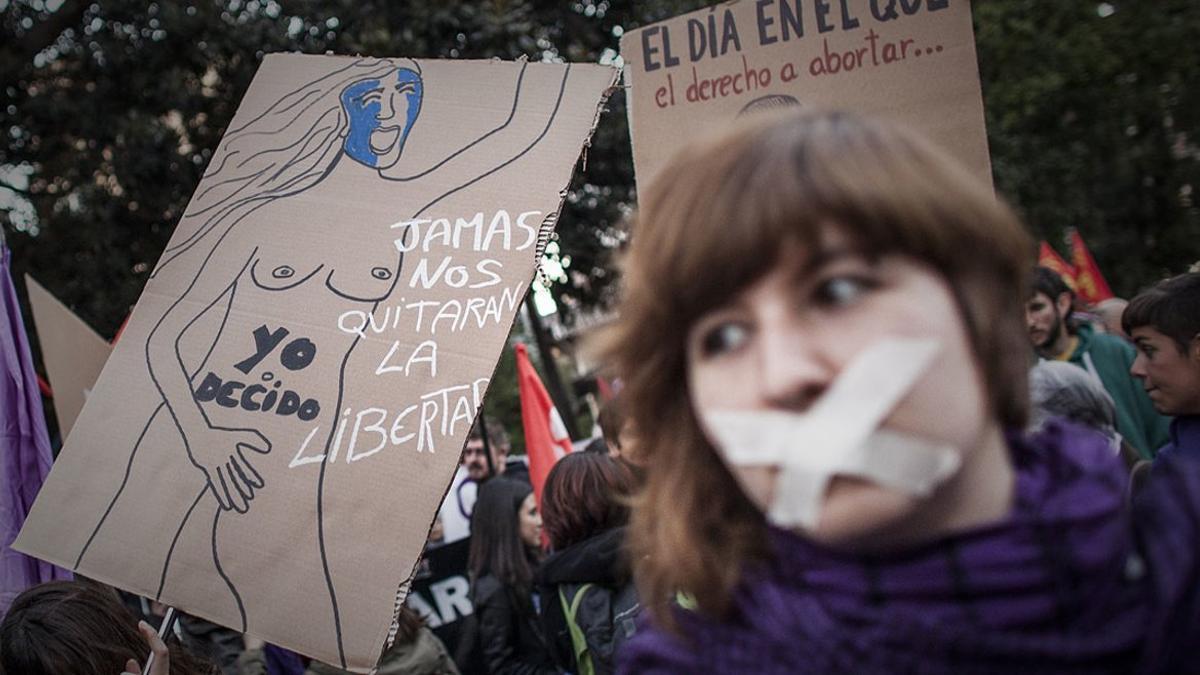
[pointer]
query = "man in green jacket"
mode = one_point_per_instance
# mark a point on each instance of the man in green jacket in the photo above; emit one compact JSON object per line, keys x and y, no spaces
{"x":1055,"y":336}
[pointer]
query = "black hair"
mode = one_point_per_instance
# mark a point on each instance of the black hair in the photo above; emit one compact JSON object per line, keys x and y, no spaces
{"x":78,"y":628}
{"x":1172,"y":307}
{"x":597,"y":445}
{"x":496,"y":546}
{"x":1048,"y":282}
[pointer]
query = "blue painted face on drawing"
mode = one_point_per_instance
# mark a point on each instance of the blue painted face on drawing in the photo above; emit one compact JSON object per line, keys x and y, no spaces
{"x":382,"y":112}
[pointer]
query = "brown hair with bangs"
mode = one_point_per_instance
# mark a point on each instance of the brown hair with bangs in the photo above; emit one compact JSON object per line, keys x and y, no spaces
{"x":715,"y":221}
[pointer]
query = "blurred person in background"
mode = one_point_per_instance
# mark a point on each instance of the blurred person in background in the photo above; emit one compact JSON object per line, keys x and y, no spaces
{"x":81,"y":628}
{"x":1060,"y":390}
{"x":1110,"y":312}
{"x":1164,"y":323}
{"x":506,"y":533}
{"x":474,"y":468}
{"x":415,"y":651}
{"x":1056,"y":336}
{"x":589,"y":602}
{"x":474,"y":456}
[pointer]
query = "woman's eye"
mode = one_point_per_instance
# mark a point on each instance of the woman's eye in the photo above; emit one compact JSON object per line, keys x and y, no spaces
{"x":723,"y":338}
{"x":842,"y":291}
{"x":381,"y":273}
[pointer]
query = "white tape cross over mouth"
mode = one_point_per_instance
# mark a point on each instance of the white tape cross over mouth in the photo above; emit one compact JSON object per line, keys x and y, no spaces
{"x":840,"y":435}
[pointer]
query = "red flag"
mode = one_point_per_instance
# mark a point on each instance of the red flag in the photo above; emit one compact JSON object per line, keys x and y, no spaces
{"x":1089,"y":283}
{"x":546,"y":438}
{"x":1049,"y":258}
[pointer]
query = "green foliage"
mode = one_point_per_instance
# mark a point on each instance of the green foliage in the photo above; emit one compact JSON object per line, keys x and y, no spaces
{"x":1092,"y":119}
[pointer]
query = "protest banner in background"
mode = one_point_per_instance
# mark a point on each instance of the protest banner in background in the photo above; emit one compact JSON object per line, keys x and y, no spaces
{"x":74,"y":354}
{"x":911,"y":61}
{"x":441,"y":591}
{"x":273,"y":433}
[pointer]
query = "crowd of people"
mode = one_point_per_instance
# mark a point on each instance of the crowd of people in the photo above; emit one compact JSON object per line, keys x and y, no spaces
{"x":858,"y":432}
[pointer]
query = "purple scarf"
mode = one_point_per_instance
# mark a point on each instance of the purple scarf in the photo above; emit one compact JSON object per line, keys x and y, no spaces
{"x":1064,"y":584}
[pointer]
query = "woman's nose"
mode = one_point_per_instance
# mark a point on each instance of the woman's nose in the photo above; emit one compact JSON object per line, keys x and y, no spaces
{"x":793,"y":369}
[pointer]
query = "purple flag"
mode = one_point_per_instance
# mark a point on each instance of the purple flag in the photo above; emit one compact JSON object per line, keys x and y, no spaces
{"x":24,"y":446}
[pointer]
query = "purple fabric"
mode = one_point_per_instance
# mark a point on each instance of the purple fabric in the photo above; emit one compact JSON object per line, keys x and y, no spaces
{"x":1069,"y":582}
{"x":1185,"y":438}
{"x":24,"y":447}
{"x":281,"y":661}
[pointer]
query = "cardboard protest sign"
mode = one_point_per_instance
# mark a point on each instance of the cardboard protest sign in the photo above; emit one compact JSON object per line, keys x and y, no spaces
{"x":911,"y":61}
{"x":74,"y":354}
{"x":273,"y":433}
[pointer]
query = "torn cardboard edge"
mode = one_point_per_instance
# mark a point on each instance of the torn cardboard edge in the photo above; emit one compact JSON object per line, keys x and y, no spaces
{"x":545,"y":231}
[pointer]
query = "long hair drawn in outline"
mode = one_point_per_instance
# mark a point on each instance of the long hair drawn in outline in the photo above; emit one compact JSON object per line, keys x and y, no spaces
{"x":358,"y":116}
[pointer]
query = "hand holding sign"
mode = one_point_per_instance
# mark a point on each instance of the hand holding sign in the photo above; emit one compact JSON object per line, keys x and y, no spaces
{"x":162,"y":657}
{"x":221,"y":454}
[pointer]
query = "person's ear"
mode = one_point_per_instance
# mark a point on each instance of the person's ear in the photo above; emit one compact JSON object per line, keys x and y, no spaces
{"x":1194,"y":349}
{"x":1063,"y":303}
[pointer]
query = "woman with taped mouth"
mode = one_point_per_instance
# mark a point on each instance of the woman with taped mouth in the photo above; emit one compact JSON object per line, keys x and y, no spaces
{"x":830,"y":418}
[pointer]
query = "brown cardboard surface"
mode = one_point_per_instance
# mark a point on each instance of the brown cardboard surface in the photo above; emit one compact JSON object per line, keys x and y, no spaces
{"x":275,"y":429}
{"x":911,"y":61}
{"x":74,"y":354}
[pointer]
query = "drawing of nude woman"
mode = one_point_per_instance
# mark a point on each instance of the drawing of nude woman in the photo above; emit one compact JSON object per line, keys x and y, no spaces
{"x":243,"y":359}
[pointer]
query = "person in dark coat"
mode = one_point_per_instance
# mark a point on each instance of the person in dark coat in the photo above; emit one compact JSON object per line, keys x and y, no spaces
{"x":506,"y":532}
{"x":589,"y":603}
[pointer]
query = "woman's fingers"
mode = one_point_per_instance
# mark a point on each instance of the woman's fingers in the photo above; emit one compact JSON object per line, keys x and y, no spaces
{"x":244,"y":487}
{"x":132,"y":668}
{"x":254,"y":477}
{"x":162,"y":657}
{"x":235,"y":500}
{"x":214,"y":482}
